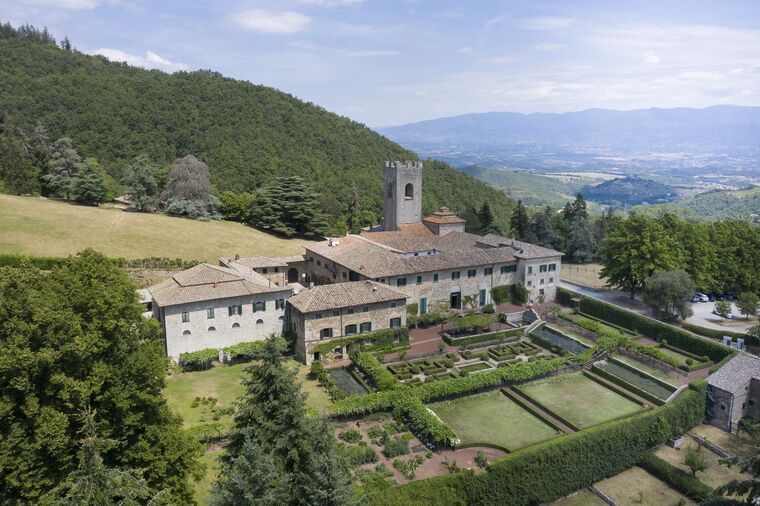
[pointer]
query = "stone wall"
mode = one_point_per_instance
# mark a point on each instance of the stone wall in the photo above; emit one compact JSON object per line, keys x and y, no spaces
{"x":398,"y":208}
{"x":224,"y":334}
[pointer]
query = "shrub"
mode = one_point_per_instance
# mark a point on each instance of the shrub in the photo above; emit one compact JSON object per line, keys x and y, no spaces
{"x":680,"y":480}
{"x":375,"y":432}
{"x":689,"y":361}
{"x":244,"y":351}
{"x":395,"y":447}
{"x":500,"y":294}
{"x":415,"y":369}
{"x":488,"y":309}
{"x":519,"y":294}
{"x":377,"y":373}
{"x":412,"y":309}
{"x":379,"y":338}
{"x":564,"y":296}
{"x":359,"y":454}
{"x":350,"y":436}
{"x":201,"y":359}
{"x":406,"y":467}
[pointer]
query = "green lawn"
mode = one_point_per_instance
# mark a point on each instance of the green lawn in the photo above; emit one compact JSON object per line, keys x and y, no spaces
{"x":223,"y":383}
{"x":579,"y":400}
{"x":203,"y":487}
{"x":41,"y":227}
{"x":643,"y":367}
{"x":477,"y":366}
{"x":637,"y":487}
{"x":492,"y":418}
{"x":672,"y":353}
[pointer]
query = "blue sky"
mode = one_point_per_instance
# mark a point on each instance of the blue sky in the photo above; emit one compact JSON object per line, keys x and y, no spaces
{"x":391,"y":62}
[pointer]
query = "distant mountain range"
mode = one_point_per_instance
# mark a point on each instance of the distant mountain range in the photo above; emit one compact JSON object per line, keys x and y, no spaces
{"x":682,"y":142}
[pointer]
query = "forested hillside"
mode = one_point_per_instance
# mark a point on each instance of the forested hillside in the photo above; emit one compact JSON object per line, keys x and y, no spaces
{"x":246,"y":134}
{"x":716,"y":205}
{"x":630,"y":190}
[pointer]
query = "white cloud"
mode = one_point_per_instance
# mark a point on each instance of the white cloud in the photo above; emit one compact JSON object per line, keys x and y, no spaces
{"x":331,"y":3}
{"x":258,"y":20}
{"x":465,"y":50}
{"x":547,"y":23}
{"x":376,"y":52}
{"x":548,"y":46}
{"x":650,"y":57}
{"x":151,"y":59}
{"x":64,"y":4}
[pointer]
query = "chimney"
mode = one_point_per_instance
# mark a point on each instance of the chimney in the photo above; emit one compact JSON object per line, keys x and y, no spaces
{"x":237,"y":256}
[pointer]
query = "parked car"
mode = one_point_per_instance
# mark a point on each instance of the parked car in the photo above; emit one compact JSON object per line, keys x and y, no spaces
{"x":700,"y":297}
{"x":730,"y":316}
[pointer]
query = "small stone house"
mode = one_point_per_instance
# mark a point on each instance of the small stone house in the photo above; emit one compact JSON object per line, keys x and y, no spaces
{"x":209,"y":306}
{"x":734,"y":392}
{"x":327,"y":312}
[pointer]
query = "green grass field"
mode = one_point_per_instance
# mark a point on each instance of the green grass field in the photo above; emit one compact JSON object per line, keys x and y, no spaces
{"x":223,"y":383}
{"x":42,"y":227}
{"x":492,"y":418}
{"x":579,"y":400}
{"x":203,"y":487}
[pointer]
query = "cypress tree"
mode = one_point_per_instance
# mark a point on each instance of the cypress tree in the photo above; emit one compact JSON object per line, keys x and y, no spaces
{"x":519,"y":222}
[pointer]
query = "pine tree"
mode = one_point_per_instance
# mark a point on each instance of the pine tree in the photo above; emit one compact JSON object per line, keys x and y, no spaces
{"x":543,"y":228}
{"x":519,"y":222}
{"x":580,"y":241}
{"x":188,"y":191}
{"x":64,"y":163}
{"x":485,"y":216}
{"x":289,"y":206}
{"x":17,"y":173}
{"x":88,"y":184}
{"x":271,"y":421}
{"x":141,"y":184}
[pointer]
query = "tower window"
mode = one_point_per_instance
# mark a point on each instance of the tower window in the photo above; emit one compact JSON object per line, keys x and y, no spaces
{"x":409,"y":191}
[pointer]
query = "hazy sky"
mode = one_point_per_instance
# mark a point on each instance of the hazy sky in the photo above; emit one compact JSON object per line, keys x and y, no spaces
{"x":390,"y":62}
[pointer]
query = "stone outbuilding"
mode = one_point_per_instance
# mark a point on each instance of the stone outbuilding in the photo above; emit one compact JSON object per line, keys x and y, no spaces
{"x":734,"y":392}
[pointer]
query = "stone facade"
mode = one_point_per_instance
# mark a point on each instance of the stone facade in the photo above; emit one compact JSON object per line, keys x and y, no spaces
{"x":197,"y":334}
{"x":403,"y":194}
{"x":735,"y":392}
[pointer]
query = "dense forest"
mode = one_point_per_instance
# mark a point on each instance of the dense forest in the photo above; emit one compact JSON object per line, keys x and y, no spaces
{"x":715,"y":205}
{"x":629,"y":191}
{"x":247,"y":134}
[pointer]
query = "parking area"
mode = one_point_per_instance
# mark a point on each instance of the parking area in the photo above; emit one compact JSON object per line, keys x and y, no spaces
{"x":704,"y":318}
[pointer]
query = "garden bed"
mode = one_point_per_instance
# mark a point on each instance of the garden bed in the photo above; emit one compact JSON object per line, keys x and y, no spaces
{"x":556,"y":341}
{"x":638,"y":379}
{"x":477,"y":366}
{"x":347,"y":382}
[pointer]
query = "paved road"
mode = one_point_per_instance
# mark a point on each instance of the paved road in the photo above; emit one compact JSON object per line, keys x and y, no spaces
{"x":612,"y":296}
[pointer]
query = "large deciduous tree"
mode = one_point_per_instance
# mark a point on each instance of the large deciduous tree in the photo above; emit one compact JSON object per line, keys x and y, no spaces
{"x":141,"y":185}
{"x":637,"y":248}
{"x":63,"y":164}
{"x":748,"y":304}
{"x":278,"y":454}
{"x":289,"y":206}
{"x":17,"y":173}
{"x":668,"y":294}
{"x":75,"y":338}
{"x":188,"y":190}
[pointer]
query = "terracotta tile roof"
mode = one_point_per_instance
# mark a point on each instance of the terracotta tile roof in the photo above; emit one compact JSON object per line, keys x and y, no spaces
{"x":209,"y":282}
{"x":340,"y":295}
{"x":443,"y":215}
{"x":523,"y":249}
{"x":254,"y":262}
{"x":291,"y":258}
{"x":735,"y":374}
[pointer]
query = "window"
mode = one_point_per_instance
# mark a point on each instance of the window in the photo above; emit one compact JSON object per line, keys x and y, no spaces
{"x":435,"y":278}
{"x":552,"y":267}
{"x":350,"y":329}
{"x":186,"y":333}
{"x":336,"y":312}
{"x":409,"y":191}
{"x":236,"y":325}
{"x":423,"y":305}
{"x":259,"y":306}
{"x":541,"y":291}
{"x":279,"y":304}
{"x":530,"y":269}
{"x":505,"y":269}
{"x":488,"y":271}
{"x":276,"y":269}
{"x":530,"y":283}
{"x":343,"y":275}
{"x":325,"y":333}
{"x":542,"y":268}
{"x":185,"y":317}
{"x":419,"y":280}
{"x":259,"y":322}
{"x":317,"y":316}
{"x":234,"y":309}
{"x":350,"y":310}
{"x":472,"y":273}
{"x":401,"y":282}
{"x":210,"y":313}
{"x":455,"y":274}
{"x":212,"y":329}
{"x":392,"y":304}
{"x":551,"y":280}
{"x":265,"y":270}
{"x":365,"y":309}
{"x":395,"y":322}
{"x":541,"y":282}
{"x":365,"y":327}
{"x":319,"y":263}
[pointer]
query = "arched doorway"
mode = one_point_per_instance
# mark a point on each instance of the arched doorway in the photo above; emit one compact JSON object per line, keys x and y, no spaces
{"x":292,"y":275}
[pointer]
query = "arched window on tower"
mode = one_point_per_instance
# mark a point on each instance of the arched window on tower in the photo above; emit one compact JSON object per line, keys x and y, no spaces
{"x":409,"y":191}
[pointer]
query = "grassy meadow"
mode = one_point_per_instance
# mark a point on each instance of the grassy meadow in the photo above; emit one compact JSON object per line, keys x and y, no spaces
{"x":41,"y":227}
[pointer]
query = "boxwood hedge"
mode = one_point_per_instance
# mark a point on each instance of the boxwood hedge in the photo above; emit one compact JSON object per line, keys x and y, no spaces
{"x":577,"y":461}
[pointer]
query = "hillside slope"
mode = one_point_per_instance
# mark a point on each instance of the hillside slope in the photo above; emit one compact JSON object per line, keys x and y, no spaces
{"x":716,"y":205}
{"x":630,"y":191}
{"x":247,"y":134}
{"x":42,"y":227}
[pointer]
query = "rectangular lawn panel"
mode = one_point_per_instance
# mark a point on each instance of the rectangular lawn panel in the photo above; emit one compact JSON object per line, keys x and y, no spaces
{"x":635,"y":486}
{"x":478,"y":366}
{"x":494,"y":419}
{"x":579,"y":400}
{"x":346,"y":382}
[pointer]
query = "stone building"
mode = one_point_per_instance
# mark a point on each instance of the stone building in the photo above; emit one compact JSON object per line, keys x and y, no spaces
{"x":210,"y":306}
{"x":432,"y":260}
{"x":328,"y":312}
{"x":280,"y":271}
{"x":734,"y":392}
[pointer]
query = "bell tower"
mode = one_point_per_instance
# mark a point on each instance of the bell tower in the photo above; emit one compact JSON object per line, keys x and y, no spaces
{"x":403,"y":194}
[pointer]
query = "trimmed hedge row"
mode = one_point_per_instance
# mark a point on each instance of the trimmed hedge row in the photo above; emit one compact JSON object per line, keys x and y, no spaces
{"x":378,"y":338}
{"x":653,"y":329}
{"x":381,"y":377}
{"x":679,"y":479}
{"x":423,"y":423}
{"x":718,"y":334}
{"x":201,"y":359}
{"x":578,"y":460}
{"x":488,"y":336}
{"x":564,"y":296}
